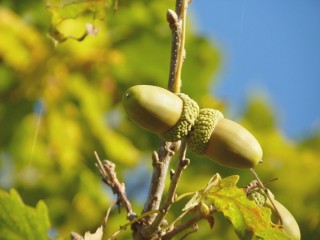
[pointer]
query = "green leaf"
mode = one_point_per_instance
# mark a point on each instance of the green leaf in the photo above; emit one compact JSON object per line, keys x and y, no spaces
{"x":66,"y":9}
{"x":18,"y":221}
{"x":62,"y":10}
{"x":249,"y":220}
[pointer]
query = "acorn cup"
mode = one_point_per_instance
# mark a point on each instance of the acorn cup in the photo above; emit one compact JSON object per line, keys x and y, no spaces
{"x":174,"y":116}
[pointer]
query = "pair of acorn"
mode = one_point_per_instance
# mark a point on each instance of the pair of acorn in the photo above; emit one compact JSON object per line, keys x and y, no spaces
{"x":175,"y":116}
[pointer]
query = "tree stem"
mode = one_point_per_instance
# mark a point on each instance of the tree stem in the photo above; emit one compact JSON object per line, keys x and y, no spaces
{"x":170,"y":199}
{"x":177,"y":22}
{"x":162,"y":158}
{"x":160,"y":162}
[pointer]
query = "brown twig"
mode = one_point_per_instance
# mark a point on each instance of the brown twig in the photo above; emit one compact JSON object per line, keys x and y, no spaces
{"x":162,"y":158}
{"x":182,"y":227}
{"x":160,"y":163}
{"x":266,"y":191}
{"x":182,"y":164}
{"x":194,"y":229}
{"x":109,"y":176}
{"x":177,"y":23}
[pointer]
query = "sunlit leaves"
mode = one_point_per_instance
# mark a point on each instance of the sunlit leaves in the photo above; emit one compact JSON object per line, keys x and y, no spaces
{"x":21,"y":46}
{"x":67,"y":9}
{"x":63,"y":10}
{"x":247,"y":218}
{"x":19,"y":221}
{"x":80,"y":85}
{"x":112,"y":142}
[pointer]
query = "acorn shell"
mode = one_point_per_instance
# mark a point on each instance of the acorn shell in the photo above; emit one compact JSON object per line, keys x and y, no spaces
{"x":224,"y":141}
{"x":153,"y":108}
{"x":232,"y":145}
{"x":290,"y":225}
{"x":160,"y":111}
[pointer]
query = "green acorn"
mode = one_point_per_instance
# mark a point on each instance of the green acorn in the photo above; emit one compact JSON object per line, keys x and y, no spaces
{"x":290,"y":225}
{"x":160,"y":111}
{"x":174,"y":116}
{"x":224,"y":141}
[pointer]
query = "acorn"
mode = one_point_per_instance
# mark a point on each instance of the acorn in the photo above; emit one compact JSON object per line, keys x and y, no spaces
{"x":289,"y":224}
{"x":224,"y":141}
{"x":160,"y":111}
{"x":174,"y":116}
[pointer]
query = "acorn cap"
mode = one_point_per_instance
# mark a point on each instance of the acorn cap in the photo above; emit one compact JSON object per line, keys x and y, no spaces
{"x":188,"y":117}
{"x":258,"y":196}
{"x":160,"y":111}
{"x":201,"y":132}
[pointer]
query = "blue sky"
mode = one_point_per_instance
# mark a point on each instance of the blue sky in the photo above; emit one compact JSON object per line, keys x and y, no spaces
{"x":271,"y":48}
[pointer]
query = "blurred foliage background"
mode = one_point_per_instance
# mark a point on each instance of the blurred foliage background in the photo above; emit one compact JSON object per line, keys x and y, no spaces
{"x":60,"y":103}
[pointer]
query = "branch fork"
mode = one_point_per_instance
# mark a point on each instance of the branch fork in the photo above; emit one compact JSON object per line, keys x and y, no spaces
{"x":152,"y":219}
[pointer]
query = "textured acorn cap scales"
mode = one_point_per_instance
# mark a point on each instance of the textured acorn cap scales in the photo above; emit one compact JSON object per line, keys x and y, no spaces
{"x":224,"y":141}
{"x":201,"y":132}
{"x":160,"y":111}
{"x":189,"y":114}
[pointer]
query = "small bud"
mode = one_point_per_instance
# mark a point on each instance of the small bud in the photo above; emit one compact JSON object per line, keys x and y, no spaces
{"x":172,"y":19}
{"x":204,"y":209}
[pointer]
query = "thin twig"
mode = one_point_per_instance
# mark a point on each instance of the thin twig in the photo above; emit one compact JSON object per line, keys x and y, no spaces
{"x":132,"y":223}
{"x":267,"y":194}
{"x":108,"y":212}
{"x":181,"y":52}
{"x":182,"y":164}
{"x":183,"y":214}
{"x":109,"y":176}
{"x":194,"y":229}
{"x":162,"y":158}
{"x":160,"y":163}
{"x":183,"y":226}
{"x":177,"y":22}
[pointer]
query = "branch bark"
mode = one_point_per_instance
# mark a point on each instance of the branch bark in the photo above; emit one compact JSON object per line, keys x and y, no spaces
{"x":170,"y":199}
{"x":182,"y":227}
{"x":177,"y":23}
{"x":161,"y":159}
{"x":160,"y":163}
{"x":109,"y":176}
